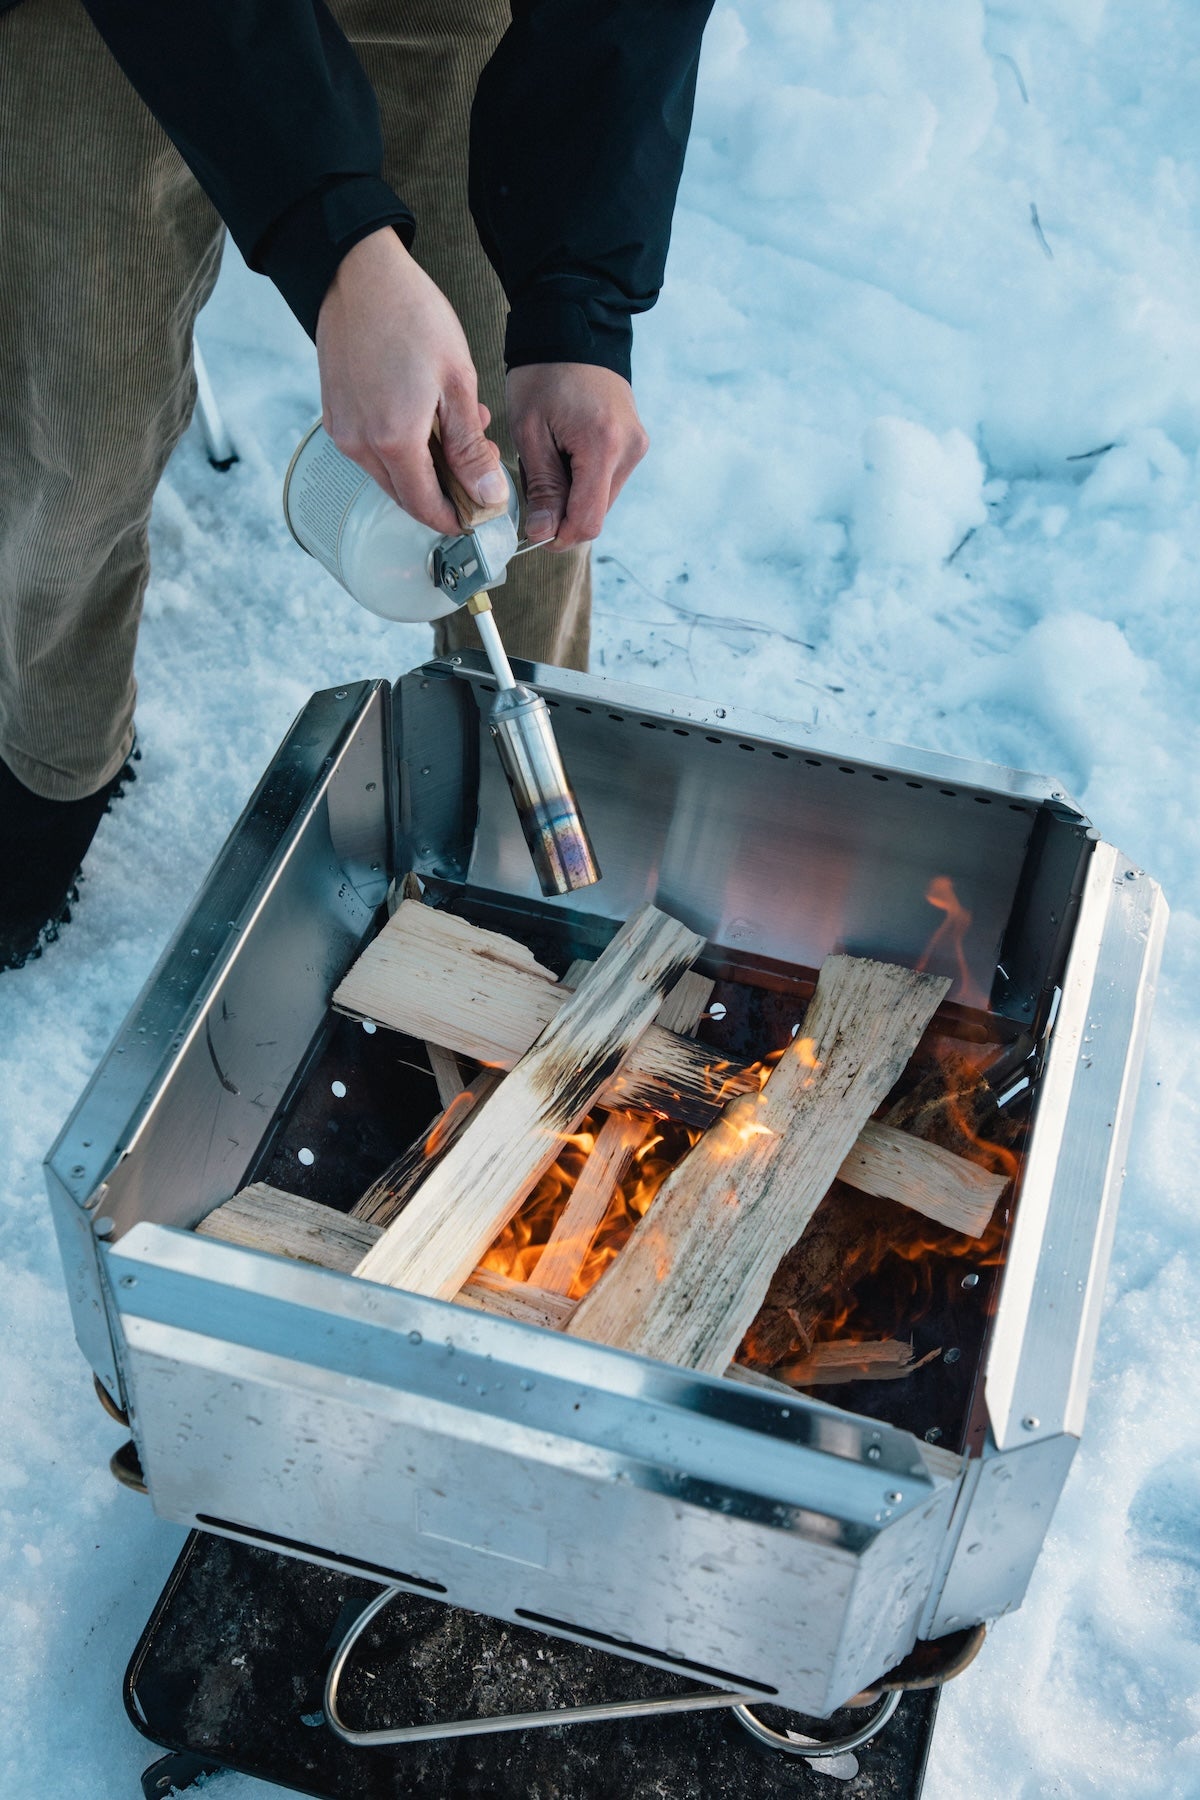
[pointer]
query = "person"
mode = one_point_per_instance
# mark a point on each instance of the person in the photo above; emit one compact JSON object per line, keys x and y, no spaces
{"x":499,"y":291}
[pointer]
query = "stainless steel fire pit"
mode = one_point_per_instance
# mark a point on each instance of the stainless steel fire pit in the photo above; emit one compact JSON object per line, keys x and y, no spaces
{"x":773,"y":1547}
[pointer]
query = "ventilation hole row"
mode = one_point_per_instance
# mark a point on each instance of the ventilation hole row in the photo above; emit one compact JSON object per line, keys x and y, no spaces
{"x":813,"y":762}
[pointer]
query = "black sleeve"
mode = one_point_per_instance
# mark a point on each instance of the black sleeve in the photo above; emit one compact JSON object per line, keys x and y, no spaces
{"x":577,"y":144}
{"x":270,"y":108}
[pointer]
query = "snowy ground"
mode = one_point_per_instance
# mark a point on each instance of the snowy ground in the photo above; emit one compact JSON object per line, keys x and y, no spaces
{"x":924,"y":392}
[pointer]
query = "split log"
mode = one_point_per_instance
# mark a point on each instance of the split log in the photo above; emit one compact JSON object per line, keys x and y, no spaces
{"x":617,"y":1142}
{"x":698,"y":1265}
{"x":885,"y":1359}
{"x":473,"y":1191}
{"x":489,"y":1291}
{"x":263,"y":1217}
{"x":479,"y":994}
{"x":895,"y":1166}
{"x":440,"y":978}
{"x":620,"y":1138}
{"x":446,"y":1073}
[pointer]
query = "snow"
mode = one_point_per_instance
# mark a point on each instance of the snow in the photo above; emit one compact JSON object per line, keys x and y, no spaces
{"x":924,"y":396}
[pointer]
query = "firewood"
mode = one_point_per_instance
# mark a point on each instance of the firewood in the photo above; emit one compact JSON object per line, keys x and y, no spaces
{"x":885,"y":1359}
{"x":489,"y":1291}
{"x":446,"y":1073}
{"x":440,"y":978}
{"x":617,"y":1143}
{"x":699,"y":1263}
{"x":933,"y":1181}
{"x":263,"y":1217}
{"x":472,"y":1192}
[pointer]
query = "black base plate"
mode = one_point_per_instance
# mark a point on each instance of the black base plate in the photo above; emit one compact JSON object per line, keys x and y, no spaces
{"x":230,"y":1672}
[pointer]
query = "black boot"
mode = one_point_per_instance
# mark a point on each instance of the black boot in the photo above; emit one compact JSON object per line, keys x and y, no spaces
{"x":42,"y":844}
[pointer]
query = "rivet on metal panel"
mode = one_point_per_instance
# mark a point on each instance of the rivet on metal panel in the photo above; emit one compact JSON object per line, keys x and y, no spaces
{"x":873,"y":1453}
{"x":338,"y":1089}
{"x":339,"y":694}
{"x":103,"y":1228}
{"x":970,"y":1281}
{"x":127,"y":1281}
{"x":893,"y":1497}
{"x":718,"y":712}
{"x":306,"y":1157}
{"x":1031,"y":1422}
{"x":370,"y":787}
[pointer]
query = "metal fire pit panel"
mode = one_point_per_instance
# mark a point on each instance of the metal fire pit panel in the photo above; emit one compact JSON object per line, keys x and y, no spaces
{"x":1048,"y":1317}
{"x":530,"y":1476}
{"x":171,"y":1119}
{"x":770,"y":842}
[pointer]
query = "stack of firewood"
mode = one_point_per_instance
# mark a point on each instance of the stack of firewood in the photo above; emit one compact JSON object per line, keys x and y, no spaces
{"x":613,"y":1039}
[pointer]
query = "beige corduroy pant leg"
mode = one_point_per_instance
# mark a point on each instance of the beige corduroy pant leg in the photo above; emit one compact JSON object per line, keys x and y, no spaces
{"x":109,"y":249}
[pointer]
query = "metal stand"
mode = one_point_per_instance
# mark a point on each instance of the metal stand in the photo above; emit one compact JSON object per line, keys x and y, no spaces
{"x":703,"y":1700}
{"x":241,"y":1664}
{"x":217,"y":441}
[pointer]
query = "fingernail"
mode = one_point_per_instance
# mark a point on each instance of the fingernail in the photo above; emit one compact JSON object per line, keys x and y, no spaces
{"x":492,"y":487}
{"x":540,"y":523}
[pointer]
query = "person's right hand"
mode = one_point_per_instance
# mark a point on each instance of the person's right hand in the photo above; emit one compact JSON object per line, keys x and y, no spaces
{"x":393,"y":358}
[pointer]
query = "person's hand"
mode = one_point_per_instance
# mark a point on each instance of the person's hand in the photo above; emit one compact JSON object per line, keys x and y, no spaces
{"x":393,"y":358}
{"x":579,"y":438}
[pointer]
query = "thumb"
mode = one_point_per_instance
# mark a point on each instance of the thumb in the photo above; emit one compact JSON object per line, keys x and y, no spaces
{"x":547,"y":478}
{"x":468,"y":463}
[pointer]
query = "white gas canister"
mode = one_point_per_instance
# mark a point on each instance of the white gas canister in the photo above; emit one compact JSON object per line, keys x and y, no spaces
{"x":368,"y":543}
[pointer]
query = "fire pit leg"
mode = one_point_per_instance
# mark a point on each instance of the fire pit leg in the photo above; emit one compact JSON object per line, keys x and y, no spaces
{"x":814,"y":1749}
{"x":702,"y":1701}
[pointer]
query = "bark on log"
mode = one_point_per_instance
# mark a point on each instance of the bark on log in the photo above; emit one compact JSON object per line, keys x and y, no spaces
{"x":699,"y":1263}
{"x":470,"y":1195}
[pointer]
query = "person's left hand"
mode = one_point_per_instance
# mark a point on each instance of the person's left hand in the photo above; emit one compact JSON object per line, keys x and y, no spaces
{"x":579,"y":438}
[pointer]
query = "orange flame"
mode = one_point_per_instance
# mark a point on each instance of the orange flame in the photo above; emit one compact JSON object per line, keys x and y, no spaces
{"x":950,"y":937}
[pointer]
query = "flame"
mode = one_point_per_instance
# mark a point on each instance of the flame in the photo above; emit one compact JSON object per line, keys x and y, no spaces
{"x":950,"y":938}
{"x":896,"y":1273}
{"x":447,"y":1122}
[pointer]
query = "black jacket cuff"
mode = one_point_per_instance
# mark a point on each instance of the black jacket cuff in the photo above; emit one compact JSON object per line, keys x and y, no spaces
{"x":552,"y":325}
{"x":301,"y":251}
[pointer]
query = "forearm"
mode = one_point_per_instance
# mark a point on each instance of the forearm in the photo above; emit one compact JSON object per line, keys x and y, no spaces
{"x":271,"y":110}
{"x":577,"y":144}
